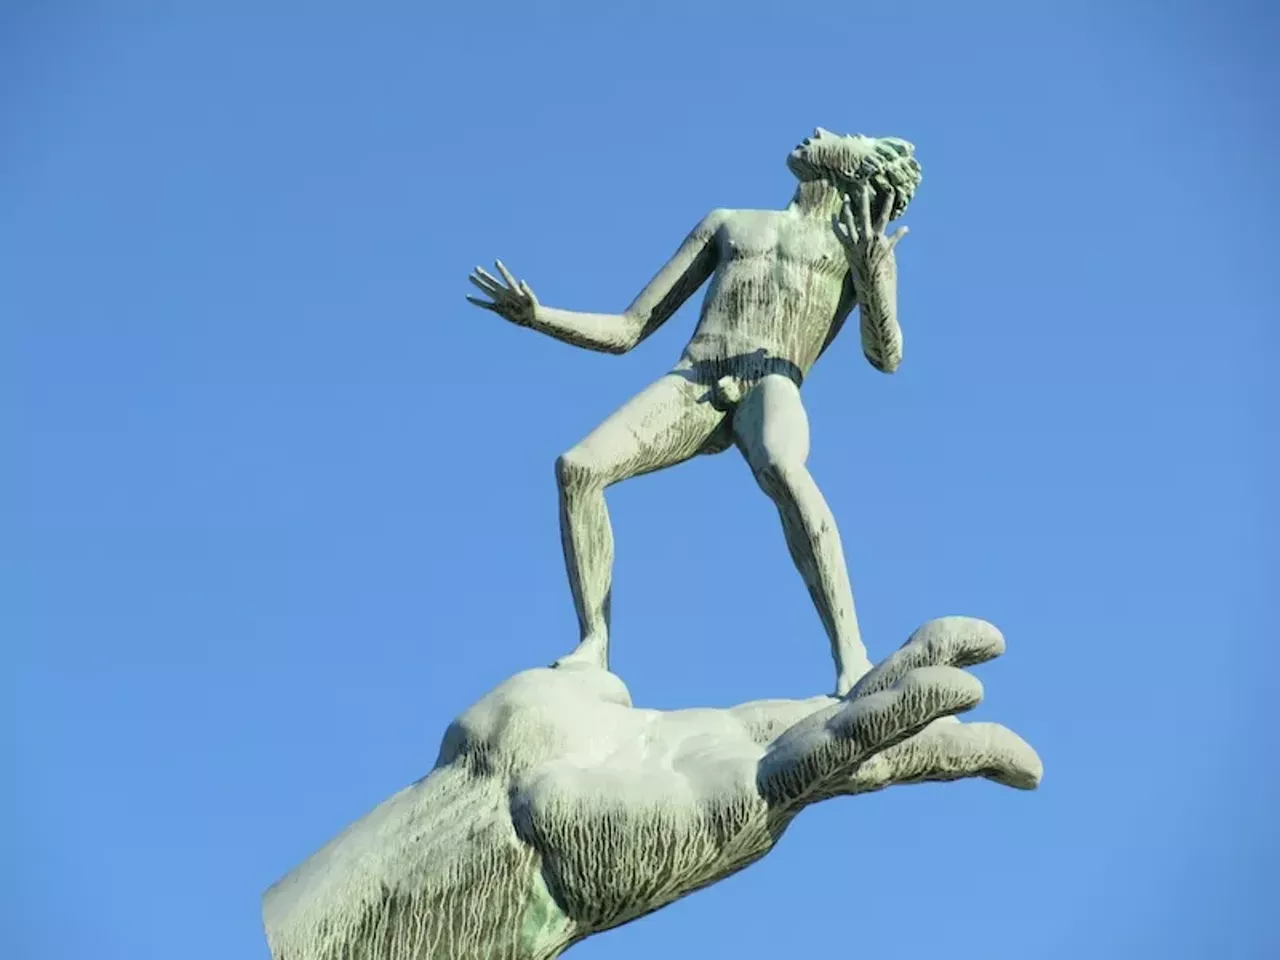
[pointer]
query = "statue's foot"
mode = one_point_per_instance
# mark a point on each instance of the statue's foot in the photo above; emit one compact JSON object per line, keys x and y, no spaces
{"x":593,"y":652}
{"x":849,"y":676}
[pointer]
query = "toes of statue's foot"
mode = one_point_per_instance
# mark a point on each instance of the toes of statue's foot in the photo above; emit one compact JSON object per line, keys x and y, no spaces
{"x":848,"y":679}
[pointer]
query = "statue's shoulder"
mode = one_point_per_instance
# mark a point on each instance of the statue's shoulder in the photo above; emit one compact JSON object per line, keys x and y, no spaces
{"x":753,"y":227}
{"x":726,"y":216}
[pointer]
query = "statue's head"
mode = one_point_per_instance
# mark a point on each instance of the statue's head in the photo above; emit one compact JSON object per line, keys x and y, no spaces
{"x":883,"y":161}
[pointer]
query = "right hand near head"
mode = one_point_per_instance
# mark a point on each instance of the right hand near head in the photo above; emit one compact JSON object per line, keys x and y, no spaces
{"x":861,"y":234}
{"x":512,"y":300}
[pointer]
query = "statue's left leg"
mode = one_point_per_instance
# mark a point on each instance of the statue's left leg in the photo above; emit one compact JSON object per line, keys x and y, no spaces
{"x":772,"y":431}
{"x":668,"y":422}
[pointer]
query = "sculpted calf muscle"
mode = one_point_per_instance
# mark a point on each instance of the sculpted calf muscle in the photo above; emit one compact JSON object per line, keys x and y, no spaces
{"x":783,"y":282}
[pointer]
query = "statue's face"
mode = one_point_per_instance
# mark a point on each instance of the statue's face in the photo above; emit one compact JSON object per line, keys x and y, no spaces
{"x":830,"y":156}
{"x":887,"y":163}
{"x":827,"y":155}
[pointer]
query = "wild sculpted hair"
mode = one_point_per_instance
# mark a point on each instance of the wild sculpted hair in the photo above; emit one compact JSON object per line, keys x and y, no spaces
{"x":884,"y":162}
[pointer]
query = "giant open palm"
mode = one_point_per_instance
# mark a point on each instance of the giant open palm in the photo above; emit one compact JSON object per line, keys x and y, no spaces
{"x":557,"y":809}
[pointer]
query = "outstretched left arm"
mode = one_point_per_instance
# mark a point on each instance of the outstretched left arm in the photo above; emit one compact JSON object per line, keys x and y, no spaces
{"x":691,"y":265}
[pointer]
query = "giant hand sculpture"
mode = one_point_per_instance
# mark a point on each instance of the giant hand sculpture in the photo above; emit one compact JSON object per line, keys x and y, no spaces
{"x":557,"y":810}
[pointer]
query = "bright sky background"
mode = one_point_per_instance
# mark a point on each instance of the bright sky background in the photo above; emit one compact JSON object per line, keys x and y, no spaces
{"x":279,"y":503}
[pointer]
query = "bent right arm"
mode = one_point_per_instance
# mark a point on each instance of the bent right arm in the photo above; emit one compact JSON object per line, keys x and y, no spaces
{"x":874,"y":273}
{"x":687,"y":270}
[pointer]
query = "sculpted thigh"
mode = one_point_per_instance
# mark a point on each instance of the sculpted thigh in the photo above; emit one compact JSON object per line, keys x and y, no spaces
{"x":770,"y":425}
{"x":665,"y":424}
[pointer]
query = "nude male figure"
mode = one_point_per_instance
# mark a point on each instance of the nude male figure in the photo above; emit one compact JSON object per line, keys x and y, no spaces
{"x":783,"y":282}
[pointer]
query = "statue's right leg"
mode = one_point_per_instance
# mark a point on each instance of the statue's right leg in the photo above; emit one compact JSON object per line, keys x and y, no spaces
{"x":772,"y":431}
{"x":667,"y":423}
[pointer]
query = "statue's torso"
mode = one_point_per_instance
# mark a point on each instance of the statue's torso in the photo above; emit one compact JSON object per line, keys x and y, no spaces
{"x":775,"y":292}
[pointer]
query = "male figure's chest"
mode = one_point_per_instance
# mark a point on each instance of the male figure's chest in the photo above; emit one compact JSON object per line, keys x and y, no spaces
{"x":787,"y":241}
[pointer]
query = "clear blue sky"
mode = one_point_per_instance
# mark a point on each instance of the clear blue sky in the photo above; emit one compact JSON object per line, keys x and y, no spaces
{"x":278,"y":503}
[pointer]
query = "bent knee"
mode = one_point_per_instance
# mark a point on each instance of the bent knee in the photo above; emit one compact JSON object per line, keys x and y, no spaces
{"x":578,"y":470}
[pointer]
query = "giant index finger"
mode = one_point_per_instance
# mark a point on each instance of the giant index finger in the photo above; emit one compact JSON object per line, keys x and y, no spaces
{"x":818,"y":754}
{"x":946,"y":641}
